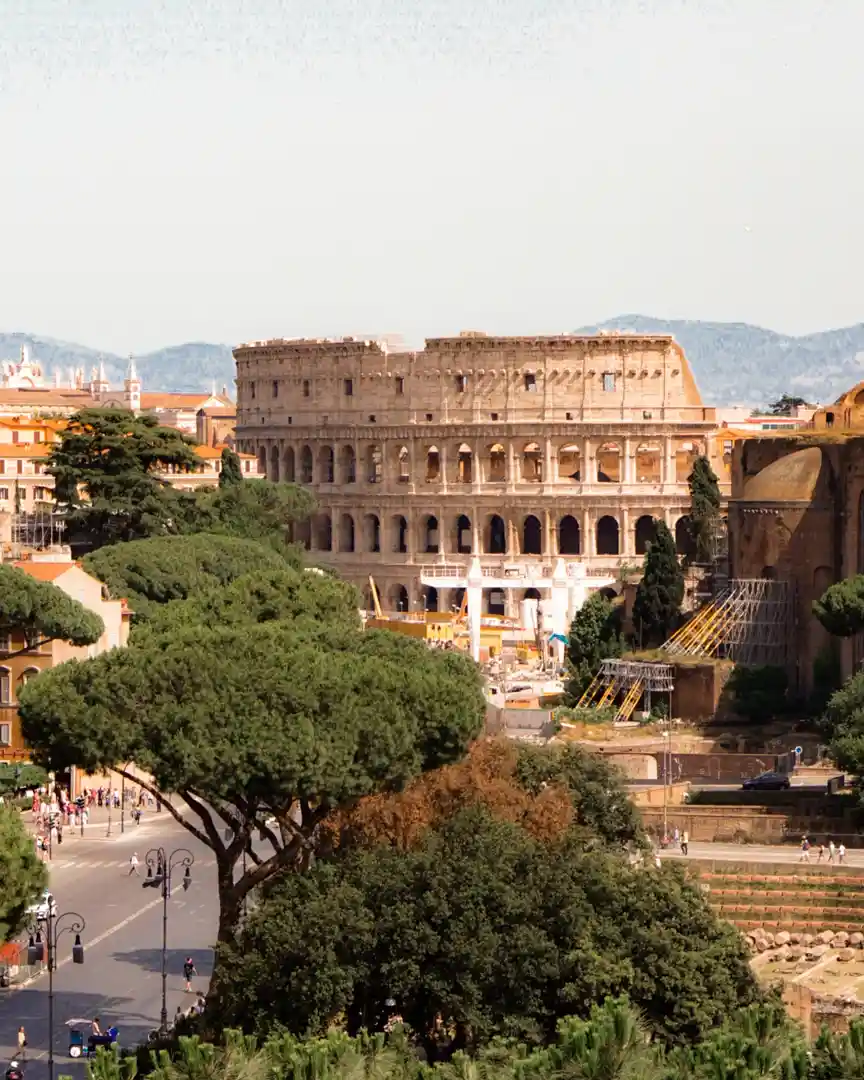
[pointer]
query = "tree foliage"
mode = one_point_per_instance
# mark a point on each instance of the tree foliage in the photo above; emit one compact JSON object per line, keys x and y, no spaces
{"x":230,"y":473}
{"x":759,"y":692}
{"x":22,"y":873}
{"x":657,"y":607}
{"x":153,"y":572}
{"x":498,"y":932}
{"x":840,"y":609}
{"x":254,"y":510}
{"x":843,"y":725}
{"x":42,"y":610}
{"x":595,"y":635}
{"x":106,"y":470}
{"x":704,"y":507}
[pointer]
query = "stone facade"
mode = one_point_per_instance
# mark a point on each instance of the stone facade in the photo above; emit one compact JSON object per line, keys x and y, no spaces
{"x":517,"y":450}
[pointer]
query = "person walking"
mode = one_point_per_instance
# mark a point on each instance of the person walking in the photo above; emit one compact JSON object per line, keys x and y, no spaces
{"x":832,"y":851}
{"x":22,"y":1043}
{"x":676,"y":837}
{"x":685,"y":842}
{"x":820,"y":853}
{"x":841,"y":854}
{"x":805,"y":850}
{"x":188,"y":972}
{"x":133,"y":864}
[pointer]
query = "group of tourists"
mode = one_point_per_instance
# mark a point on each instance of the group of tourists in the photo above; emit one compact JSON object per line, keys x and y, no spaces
{"x":836,"y":853}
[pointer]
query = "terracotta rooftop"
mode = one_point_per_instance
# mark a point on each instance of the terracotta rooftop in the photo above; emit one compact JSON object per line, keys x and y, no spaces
{"x":179,"y":401}
{"x":45,"y":571}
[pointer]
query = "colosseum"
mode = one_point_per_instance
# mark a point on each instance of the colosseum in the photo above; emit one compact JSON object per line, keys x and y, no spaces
{"x":523,"y":454}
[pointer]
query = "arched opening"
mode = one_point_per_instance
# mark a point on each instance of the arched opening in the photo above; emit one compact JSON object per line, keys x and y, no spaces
{"x":400,"y":534}
{"x":368,"y":599}
{"x":568,"y":536}
{"x":463,"y":535}
{"x":456,"y":601}
{"x":348,"y":465}
{"x":570,"y":463}
{"x":685,"y":540}
{"x":431,"y":540}
{"x":373,"y":464}
{"x":372,"y":531}
{"x":496,"y":536}
{"x":273,"y":471}
{"x":532,"y":464}
{"x":608,"y":541}
{"x":609,"y":463}
{"x":403,"y":465}
{"x":433,"y":465}
{"x":608,"y":593}
{"x":430,"y":598}
{"x":531,"y":594}
{"x":495,"y":601}
{"x":288,"y":467}
{"x":324,"y":533}
{"x":648,"y":464}
{"x":497,"y":464}
{"x":346,"y":533}
{"x":769,"y":573}
{"x":646,"y":533}
{"x":326,"y":469}
{"x":262,"y":461}
{"x":303,"y":534}
{"x":26,"y":675}
{"x":306,"y":465}
{"x":464,"y":465}
{"x":398,"y":598}
{"x":532,"y":536}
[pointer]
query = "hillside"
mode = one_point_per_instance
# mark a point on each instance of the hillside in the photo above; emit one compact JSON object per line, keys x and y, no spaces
{"x":734,"y":363}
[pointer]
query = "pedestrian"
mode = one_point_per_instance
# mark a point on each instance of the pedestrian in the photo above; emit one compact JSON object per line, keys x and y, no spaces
{"x":805,"y":850}
{"x":841,"y":854}
{"x":832,"y":851}
{"x":22,"y":1043}
{"x":178,"y":1016}
{"x":200,"y":1005}
{"x":820,"y":853}
{"x":685,"y":842}
{"x":188,"y":972}
{"x":676,"y":837}
{"x":133,"y":864}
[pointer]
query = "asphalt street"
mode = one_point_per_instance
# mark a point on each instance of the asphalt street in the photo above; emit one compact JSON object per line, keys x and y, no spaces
{"x":757,"y":853}
{"x":120,"y":980}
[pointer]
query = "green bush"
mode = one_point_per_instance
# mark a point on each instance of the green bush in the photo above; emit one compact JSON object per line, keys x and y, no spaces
{"x":759,"y":692}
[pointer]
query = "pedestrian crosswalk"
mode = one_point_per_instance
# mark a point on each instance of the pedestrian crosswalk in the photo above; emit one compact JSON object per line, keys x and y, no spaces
{"x":106,"y":864}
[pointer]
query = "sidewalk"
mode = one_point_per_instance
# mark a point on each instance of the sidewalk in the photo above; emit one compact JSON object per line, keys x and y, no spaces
{"x":97,"y":825}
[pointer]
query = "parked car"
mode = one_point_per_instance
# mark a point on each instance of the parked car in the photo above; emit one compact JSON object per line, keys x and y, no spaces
{"x":768,"y":781}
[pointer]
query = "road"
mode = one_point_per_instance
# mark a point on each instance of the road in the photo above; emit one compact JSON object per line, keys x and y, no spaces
{"x":756,"y":853}
{"x":120,"y":980}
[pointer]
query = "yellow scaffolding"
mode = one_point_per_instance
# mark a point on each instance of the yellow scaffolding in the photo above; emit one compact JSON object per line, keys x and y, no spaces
{"x":587,"y":698}
{"x":628,"y":705}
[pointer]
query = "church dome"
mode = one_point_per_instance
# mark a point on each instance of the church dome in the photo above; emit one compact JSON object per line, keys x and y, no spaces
{"x":789,"y":479}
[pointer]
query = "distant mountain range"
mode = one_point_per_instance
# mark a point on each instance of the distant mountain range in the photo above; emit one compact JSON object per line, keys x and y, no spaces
{"x":734,"y":363}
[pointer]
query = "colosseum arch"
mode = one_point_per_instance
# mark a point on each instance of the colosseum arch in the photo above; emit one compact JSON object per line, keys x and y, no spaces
{"x":433,"y":464}
{"x":306,"y":465}
{"x":303,"y":534}
{"x":403,"y":465}
{"x":685,"y":538}
{"x":400,"y":534}
{"x":532,"y":464}
{"x":608,"y":536}
{"x":497,"y":468}
{"x":609,"y":464}
{"x":371,"y":533}
{"x":645,"y":533}
{"x":532,"y":536}
{"x":496,"y":536}
{"x":262,"y":460}
{"x":346,"y":533}
{"x":464,"y":464}
{"x":570,"y":463}
{"x":374,"y":464}
{"x":648,"y":468}
{"x":430,"y":541}
{"x":326,"y":470}
{"x":463,"y":535}
{"x":324,"y":533}
{"x":569,"y":538}
{"x":398,"y":596}
{"x":273,"y":470}
{"x":430,"y":598}
{"x":289,"y":469}
{"x":347,"y":465}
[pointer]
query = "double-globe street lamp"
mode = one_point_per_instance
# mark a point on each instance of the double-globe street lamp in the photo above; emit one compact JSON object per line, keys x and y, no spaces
{"x":42,"y":948}
{"x":160,"y":869}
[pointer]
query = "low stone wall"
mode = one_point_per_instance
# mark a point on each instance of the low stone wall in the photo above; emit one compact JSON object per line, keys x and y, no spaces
{"x":757,"y":825}
{"x":651,"y":795}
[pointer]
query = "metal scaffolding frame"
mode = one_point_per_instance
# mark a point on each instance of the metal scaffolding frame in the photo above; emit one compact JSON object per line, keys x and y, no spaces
{"x":42,"y":528}
{"x":749,"y":622}
{"x":634,"y":679}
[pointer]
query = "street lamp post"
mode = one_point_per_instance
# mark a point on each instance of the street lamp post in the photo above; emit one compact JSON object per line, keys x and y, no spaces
{"x":160,"y":868}
{"x":123,"y":803}
{"x":40,"y":951}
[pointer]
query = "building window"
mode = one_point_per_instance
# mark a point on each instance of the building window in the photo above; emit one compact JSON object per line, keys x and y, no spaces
{"x":493,"y":416}
{"x":608,"y":382}
{"x":20,"y":468}
{"x":252,"y":390}
{"x":37,"y":436}
{"x":5,"y":734}
{"x":530,"y":382}
{"x":5,"y":687}
{"x":275,"y":388}
{"x":461,"y":384}
{"x":568,"y":416}
{"x":14,"y":436}
{"x":307,"y":389}
{"x":371,"y":418}
{"x":2,"y":466}
{"x":400,"y":385}
{"x":290,"y":419}
{"x":5,"y":643}
{"x":348,"y":386}
{"x":647,"y":414}
{"x":4,"y":493}
{"x":429,"y":417}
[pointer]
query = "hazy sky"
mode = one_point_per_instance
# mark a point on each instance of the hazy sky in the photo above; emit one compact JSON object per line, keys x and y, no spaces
{"x":227,"y":170}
